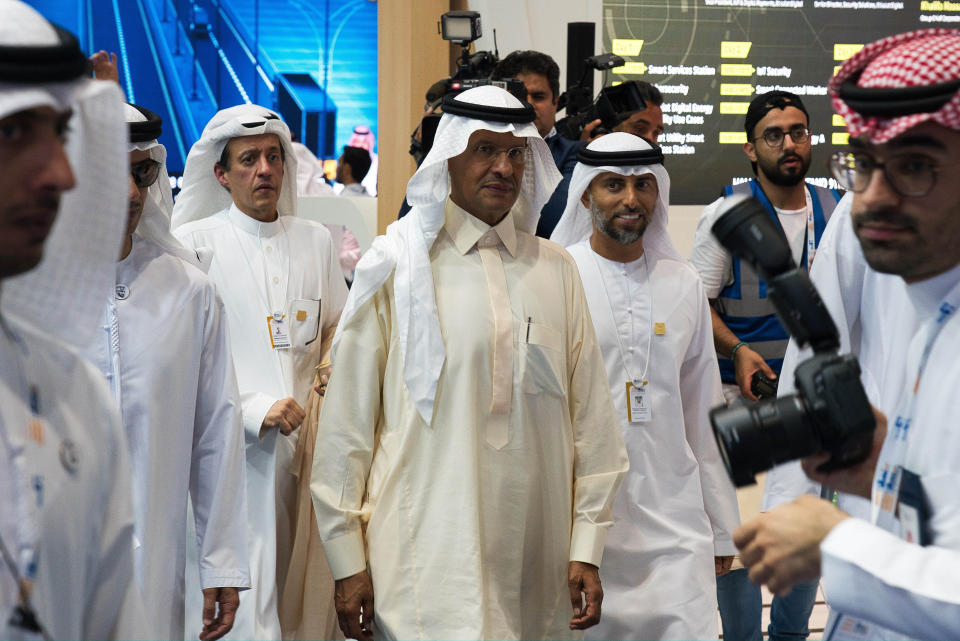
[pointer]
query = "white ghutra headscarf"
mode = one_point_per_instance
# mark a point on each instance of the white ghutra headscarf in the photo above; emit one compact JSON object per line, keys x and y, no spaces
{"x":405,"y":249}
{"x":202,"y":194}
{"x":42,"y":66}
{"x":612,"y":153}
{"x":145,"y":127}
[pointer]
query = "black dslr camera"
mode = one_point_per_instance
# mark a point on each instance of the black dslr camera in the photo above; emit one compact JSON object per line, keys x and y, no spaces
{"x":830,"y":411}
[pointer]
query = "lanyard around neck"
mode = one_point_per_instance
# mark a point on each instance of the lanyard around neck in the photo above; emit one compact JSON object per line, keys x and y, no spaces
{"x":637,"y":381}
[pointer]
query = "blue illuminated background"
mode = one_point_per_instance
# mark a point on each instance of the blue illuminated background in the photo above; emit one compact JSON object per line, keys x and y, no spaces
{"x":315,"y":61}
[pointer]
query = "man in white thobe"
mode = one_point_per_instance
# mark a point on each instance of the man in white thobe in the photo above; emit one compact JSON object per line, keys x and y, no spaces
{"x":471,"y":455}
{"x":675,"y":517}
{"x":66,"y":519}
{"x":897,"y":573}
{"x":281,"y":287}
{"x":163,"y":348}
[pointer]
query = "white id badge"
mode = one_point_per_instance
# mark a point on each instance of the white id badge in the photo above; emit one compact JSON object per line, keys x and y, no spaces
{"x":638,"y":404}
{"x":909,"y":523}
{"x":279,"y":331}
{"x":848,"y":628}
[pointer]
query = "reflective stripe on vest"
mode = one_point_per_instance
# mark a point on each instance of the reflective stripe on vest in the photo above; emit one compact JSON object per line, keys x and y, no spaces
{"x":743,"y":306}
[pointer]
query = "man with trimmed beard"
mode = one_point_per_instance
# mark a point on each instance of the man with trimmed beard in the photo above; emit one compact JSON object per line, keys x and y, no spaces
{"x":677,"y":510}
{"x":894,"y":572}
{"x":748,"y":337}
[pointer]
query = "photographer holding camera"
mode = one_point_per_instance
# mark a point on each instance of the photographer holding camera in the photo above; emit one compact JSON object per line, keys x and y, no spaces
{"x":749,"y":339}
{"x":899,"y":99}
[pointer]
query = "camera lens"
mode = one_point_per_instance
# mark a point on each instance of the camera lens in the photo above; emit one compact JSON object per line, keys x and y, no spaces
{"x":753,"y":438}
{"x":745,"y":228}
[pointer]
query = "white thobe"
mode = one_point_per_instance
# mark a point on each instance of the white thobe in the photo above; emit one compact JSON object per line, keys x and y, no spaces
{"x":875,"y":575}
{"x":288,"y":267}
{"x":164,"y":351}
{"x":678,"y":508}
{"x":66,"y":493}
{"x":464,"y":540}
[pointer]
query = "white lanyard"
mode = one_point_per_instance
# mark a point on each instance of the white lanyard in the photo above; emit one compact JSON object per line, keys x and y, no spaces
{"x":29,"y":494}
{"x":888,"y":475}
{"x":276,"y":313}
{"x":811,"y":235}
{"x":623,"y":353}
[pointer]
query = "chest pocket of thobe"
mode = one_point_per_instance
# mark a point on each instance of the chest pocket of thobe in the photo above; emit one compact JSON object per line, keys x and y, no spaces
{"x":303,"y":315}
{"x":540,"y":359}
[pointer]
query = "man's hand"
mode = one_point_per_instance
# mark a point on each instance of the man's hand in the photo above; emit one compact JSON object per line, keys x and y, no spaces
{"x":323,"y":374}
{"x":585,"y":578}
{"x":353,"y":599}
{"x":284,"y":415}
{"x":105,"y":66}
{"x":587,"y":134}
{"x":745,"y":363}
{"x":722,"y":564}
{"x":856,"y":479}
{"x":782,"y":547}
{"x":216,"y":624}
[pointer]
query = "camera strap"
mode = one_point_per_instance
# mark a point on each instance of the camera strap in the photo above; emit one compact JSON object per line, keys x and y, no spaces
{"x":891,"y":464}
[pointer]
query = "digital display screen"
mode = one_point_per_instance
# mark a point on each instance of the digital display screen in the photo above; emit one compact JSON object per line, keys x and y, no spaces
{"x":709,"y":58}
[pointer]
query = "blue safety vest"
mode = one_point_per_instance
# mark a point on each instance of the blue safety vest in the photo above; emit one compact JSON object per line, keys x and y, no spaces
{"x":744,"y":306}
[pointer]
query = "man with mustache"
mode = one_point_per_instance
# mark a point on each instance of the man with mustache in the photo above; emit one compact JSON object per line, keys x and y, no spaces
{"x":282,"y":289}
{"x":748,"y":337}
{"x":163,"y":349}
{"x":66,"y":519}
{"x":677,"y":510}
{"x":895,"y":572}
{"x":471,"y":453}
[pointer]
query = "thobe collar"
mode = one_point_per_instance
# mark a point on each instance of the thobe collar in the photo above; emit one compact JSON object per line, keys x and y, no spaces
{"x":253,"y":226}
{"x":628,"y":268}
{"x":466,"y":229}
{"x":551,"y":133}
{"x":926,"y":295}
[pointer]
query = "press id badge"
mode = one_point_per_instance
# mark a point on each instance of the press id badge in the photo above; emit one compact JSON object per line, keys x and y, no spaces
{"x":279,"y":331}
{"x":638,"y":404}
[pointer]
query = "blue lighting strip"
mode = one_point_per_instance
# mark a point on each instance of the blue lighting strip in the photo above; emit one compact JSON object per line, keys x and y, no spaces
{"x":229,"y":67}
{"x":123,"y":53}
{"x":163,"y":81}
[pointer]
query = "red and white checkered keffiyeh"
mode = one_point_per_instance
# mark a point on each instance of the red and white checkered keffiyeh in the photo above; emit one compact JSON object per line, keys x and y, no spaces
{"x":919,"y":58}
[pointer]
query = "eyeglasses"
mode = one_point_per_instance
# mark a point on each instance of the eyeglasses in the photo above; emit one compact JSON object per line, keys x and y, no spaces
{"x":909,"y":175}
{"x":774,"y":137}
{"x":489,"y":153}
{"x":145,"y":172}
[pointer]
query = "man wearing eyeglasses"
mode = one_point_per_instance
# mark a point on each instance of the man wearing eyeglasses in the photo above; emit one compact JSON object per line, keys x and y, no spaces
{"x":471,"y":451}
{"x":894,"y":572}
{"x":748,"y":337}
{"x":163,"y":349}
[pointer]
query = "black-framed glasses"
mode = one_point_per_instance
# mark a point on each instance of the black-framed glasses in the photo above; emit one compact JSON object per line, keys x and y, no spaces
{"x":775,"y":137}
{"x":910,"y":175}
{"x":145,"y":172}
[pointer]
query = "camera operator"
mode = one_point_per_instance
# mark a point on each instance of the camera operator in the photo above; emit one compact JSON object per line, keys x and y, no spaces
{"x":540,"y":76}
{"x":748,"y":337}
{"x":899,"y":99}
{"x":646,"y":123}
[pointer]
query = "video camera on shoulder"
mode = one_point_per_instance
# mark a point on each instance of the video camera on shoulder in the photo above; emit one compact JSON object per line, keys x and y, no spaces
{"x":612,"y":105}
{"x":830,"y":411}
{"x":473,"y":70}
